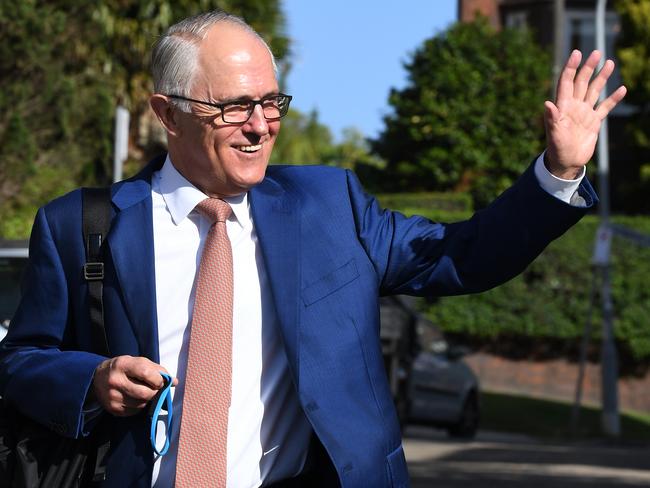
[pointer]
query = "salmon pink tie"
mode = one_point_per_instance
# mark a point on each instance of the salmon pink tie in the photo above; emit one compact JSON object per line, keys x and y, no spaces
{"x":204,"y":425}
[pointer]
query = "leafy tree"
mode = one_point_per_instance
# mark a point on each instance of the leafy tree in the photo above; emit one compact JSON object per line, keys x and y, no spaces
{"x":128,"y":29}
{"x":55,"y":111}
{"x":304,"y":140}
{"x":470,"y":117}
{"x":634,"y":55}
{"x":353,"y":152}
{"x":64,"y":66}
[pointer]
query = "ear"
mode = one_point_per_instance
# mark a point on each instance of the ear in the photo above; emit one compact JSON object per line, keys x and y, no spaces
{"x":166,"y":113}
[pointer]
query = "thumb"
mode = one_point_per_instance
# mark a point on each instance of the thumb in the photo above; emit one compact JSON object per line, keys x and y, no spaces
{"x":551,"y":112}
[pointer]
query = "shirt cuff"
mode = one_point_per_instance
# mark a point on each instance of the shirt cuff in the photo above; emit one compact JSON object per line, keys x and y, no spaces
{"x":565,"y":190}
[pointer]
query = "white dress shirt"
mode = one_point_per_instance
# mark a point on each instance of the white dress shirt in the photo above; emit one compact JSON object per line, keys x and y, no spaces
{"x":268,"y":434}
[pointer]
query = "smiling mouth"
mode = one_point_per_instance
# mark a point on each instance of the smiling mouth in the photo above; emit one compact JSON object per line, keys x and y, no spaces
{"x":249,"y":148}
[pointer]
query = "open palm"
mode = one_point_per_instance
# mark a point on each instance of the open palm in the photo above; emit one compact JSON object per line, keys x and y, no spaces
{"x":573,"y":121}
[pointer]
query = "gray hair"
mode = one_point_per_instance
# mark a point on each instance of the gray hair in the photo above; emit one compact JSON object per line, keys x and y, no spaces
{"x":175,"y":55}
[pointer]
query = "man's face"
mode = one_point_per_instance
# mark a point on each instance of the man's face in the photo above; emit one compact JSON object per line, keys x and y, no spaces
{"x":218,"y":158}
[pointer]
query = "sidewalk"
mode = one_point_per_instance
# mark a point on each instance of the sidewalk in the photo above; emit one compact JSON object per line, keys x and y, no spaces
{"x":509,"y":461}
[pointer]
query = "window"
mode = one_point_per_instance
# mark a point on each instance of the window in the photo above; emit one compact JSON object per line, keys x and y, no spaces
{"x":581,"y":34}
{"x":517,"y":20}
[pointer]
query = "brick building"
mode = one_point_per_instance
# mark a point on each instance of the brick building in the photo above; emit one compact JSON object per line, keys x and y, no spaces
{"x":558,"y":25}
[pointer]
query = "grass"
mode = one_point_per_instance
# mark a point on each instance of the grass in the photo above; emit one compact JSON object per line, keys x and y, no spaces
{"x":549,"y":419}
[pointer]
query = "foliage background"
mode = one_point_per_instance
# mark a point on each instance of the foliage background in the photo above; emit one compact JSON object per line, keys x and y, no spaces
{"x":542,"y":312}
{"x":469,"y":118}
{"x":64,"y":66}
{"x":467,"y":122}
{"x":633,"y":51}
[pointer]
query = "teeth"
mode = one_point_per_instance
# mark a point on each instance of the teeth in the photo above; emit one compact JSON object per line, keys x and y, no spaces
{"x":257,"y":147}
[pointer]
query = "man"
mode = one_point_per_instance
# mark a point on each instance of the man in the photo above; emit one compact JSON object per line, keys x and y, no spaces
{"x":307,"y":401}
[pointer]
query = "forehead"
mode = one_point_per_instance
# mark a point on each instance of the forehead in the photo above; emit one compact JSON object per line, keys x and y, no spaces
{"x":233,"y":63}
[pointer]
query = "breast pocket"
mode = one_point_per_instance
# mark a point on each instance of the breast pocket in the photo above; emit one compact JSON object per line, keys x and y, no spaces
{"x":329,"y":283}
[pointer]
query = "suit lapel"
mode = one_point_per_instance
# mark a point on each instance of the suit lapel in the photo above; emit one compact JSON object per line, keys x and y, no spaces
{"x":276,"y":218}
{"x":131,"y":245}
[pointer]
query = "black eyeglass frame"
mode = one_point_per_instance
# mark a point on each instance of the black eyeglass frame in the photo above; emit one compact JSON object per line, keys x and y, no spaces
{"x":251,"y":104}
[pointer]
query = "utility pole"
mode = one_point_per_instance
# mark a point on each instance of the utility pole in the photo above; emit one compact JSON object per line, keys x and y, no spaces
{"x":121,"y":145}
{"x":609,"y":356}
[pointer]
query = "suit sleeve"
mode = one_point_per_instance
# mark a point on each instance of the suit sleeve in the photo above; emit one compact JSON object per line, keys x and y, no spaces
{"x":37,"y":376}
{"x":418,"y":257}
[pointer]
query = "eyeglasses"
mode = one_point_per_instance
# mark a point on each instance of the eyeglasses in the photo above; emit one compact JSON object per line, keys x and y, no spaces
{"x":274,"y":107}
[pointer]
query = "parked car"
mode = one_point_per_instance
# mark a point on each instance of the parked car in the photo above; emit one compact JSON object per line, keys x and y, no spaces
{"x":399,"y":342}
{"x":430,"y":382}
{"x":13,"y":260}
{"x":444,"y":391}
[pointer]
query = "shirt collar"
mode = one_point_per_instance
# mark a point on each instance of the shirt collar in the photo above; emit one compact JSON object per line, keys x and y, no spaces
{"x":181,"y":196}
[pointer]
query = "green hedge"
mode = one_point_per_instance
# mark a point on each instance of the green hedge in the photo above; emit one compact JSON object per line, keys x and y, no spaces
{"x":550,"y":299}
{"x":412,"y":202}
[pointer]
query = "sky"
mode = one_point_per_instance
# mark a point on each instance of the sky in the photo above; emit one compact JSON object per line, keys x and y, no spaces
{"x":348,"y":54}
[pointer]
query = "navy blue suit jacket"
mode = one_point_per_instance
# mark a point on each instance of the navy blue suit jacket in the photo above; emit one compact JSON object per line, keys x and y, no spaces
{"x":330,"y":252}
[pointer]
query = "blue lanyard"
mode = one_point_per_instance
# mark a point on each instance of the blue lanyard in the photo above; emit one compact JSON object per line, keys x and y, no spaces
{"x":163,"y":397}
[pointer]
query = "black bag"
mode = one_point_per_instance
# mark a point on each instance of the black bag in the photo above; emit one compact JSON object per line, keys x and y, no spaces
{"x":31,"y":455}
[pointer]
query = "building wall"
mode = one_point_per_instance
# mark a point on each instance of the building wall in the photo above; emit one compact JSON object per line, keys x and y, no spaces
{"x":468,"y":9}
{"x":555,"y":379}
{"x":537,"y":15}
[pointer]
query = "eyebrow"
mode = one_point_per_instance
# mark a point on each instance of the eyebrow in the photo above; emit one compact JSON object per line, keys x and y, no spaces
{"x":247,"y":99}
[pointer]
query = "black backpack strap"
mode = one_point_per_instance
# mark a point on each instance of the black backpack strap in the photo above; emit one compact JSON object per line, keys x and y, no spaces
{"x":96,"y":215}
{"x":96,"y":222}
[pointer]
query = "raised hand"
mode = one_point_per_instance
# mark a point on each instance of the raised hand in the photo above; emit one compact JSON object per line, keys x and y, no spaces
{"x":573,"y":121}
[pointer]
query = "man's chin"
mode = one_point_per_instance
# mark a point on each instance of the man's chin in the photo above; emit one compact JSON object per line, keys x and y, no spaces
{"x":241,"y":185}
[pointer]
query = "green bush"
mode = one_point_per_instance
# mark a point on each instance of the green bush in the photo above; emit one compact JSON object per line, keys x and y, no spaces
{"x":546,"y":306}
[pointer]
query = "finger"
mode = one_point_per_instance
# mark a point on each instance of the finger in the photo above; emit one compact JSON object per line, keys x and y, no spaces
{"x":565,"y":83}
{"x":599,"y":82}
{"x":133,"y":403}
{"x":551,"y":116}
{"x":126,"y":411}
{"x":551,"y":112}
{"x":584,"y":75}
{"x":610,"y":102}
{"x":144,"y":371}
{"x":117,"y":403}
{"x":136,"y":392}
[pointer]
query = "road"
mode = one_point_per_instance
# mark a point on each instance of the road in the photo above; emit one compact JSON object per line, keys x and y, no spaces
{"x":508,"y":461}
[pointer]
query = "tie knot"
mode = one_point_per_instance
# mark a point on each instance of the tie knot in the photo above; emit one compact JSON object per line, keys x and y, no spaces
{"x":214,"y":209}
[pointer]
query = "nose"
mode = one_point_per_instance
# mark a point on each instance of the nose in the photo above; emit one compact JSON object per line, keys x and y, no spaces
{"x":257,"y":123}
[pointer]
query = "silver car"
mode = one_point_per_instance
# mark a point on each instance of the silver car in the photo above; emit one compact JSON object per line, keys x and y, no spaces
{"x":444,"y":391}
{"x":429,"y":381}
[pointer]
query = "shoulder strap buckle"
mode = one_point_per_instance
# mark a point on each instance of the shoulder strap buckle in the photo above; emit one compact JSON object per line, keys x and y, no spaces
{"x":94,"y":271}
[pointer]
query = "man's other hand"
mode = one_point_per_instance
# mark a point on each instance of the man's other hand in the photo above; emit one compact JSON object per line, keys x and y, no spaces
{"x":573,"y":121}
{"x":125,"y":384}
